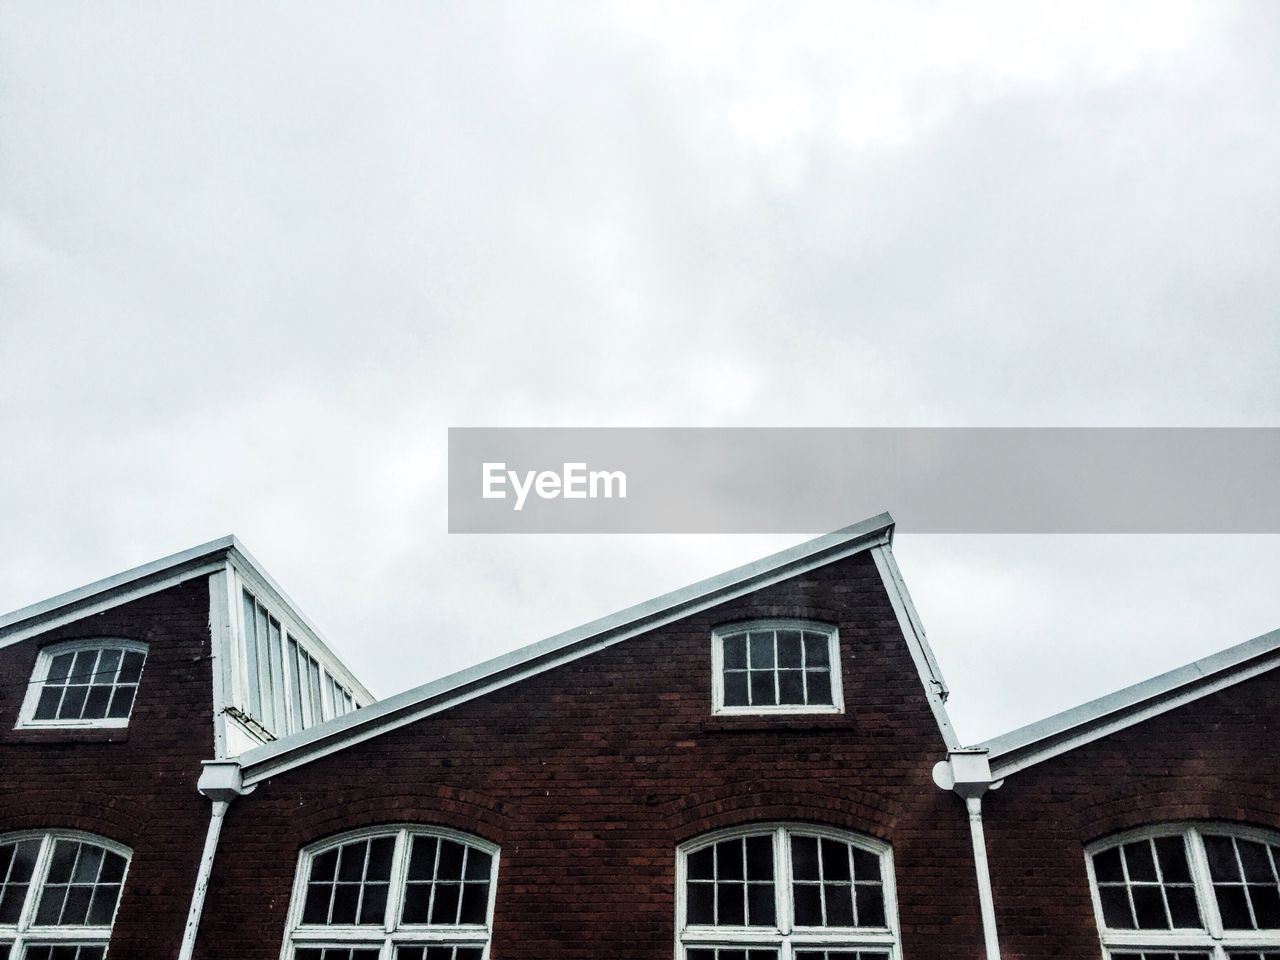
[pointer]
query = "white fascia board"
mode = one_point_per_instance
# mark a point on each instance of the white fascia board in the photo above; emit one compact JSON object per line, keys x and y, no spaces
{"x":438,"y":695}
{"x":1098,"y":718}
{"x":913,"y":634}
{"x":114,"y":590}
{"x":262,"y":582}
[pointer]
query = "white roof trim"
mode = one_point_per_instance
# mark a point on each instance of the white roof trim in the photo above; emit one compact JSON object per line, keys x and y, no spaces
{"x":114,"y":590}
{"x":1090,"y":721}
{"x":438,"y":695}
{"x":935,"y":688}
{"x":206,"y":559}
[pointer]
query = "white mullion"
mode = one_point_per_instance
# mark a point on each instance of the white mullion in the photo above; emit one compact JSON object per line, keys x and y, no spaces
{"x":36,"y":888}
{"x":777,"y":672}
{"x":1244,"y":883}
{"x":1128,"y":884}
{"x":435,"y":873}
{"x":782,"y":882}
{"x":1203,"y":879}
{"x":804,"y":672}
{"x":822,"y":886}
{"x":1164,"y":894}
{"x":399,"y":881}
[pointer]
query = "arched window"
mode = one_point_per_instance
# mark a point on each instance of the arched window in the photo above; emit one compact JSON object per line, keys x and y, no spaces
{"x":393,"y":893}
{"x":1203,"y":891}
{"x":84,"y":683}
{"x":58,"y":894}
{"x":785,"y":892}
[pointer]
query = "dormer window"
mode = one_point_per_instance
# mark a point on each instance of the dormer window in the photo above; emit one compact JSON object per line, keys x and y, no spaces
{"x":776,"y":666}
{"x":84,"y":683}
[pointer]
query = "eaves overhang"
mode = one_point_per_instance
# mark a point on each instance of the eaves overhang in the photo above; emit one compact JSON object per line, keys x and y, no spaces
{"x":1098,"y":718}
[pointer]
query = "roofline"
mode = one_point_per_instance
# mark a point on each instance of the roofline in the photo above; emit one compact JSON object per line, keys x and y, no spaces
{"x":21,"y":623}
{"x":203,"y":560}
{"x":1098,"y":718}
{"x":270,"y":759}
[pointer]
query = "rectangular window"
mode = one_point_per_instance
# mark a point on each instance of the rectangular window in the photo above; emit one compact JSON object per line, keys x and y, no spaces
{"x":776,"y":667}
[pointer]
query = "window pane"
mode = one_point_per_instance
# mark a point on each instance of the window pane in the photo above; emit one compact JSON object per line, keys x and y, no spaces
{"x":121,"y":702}
{"x":761,"y":650}
{"x":47,"y":707}
{"x":1148,"y":904}
{"x":17,"y":861}
{"x":761,"y":908}
{"x":735,"y":652}
{"x":701,"y":864}
{"x":1222,"y":858}
{"x":759,"y":858}
{"x":816,"y":650}
{"x":870,"y":905}
{"x":838,"y":900}
{"x":1173,"y":860}
{"x":1116,"y":911}
{"x":731,"y":904}
{"x":807,"y":900}
{"x":1142,"y":865}
{"x":804,"y":858}
{"x":251,"y":655}
{"x":791,"y":686}
{"x":60,"y":668}
{"x":1234,"y":907}
{"x":735,"y":689}
{"x":819,"y":687}
{"x":701,"y":903}
{"x":131,"y":667}
{"x":762,"y":692}
{"x":790,"y":649}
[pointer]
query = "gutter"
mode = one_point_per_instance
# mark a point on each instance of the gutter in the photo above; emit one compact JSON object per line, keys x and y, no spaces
{"x":220,"y":781}
{"x":967,"y":773}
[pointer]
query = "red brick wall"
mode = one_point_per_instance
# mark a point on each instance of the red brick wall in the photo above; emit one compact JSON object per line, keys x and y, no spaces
{"x":136,"y":786}
{"x":1216,"y":758}
{"x":588,"y":776}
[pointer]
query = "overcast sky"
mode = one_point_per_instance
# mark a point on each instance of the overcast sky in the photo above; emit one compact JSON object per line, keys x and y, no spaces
{"x":257,"y":258}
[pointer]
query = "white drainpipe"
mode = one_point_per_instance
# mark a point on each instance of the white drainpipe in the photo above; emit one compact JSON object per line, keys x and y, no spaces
{"x":220,"y":782}
{"x":968,"y":774}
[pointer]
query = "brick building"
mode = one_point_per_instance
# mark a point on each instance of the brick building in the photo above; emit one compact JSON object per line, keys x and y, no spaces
{"x":756,"y":767}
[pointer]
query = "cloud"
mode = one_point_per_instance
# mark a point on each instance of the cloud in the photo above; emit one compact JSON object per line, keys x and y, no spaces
{"x":257,"y":260}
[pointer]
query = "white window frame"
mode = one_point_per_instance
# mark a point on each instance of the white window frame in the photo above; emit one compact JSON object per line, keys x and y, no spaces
{"x":1213,"y":939}
{"x":785,"y":937}
{"x":392,"y":933}
{"x":718,"y":707}
{"x":17,"y":937}
{"x":40,"y":674}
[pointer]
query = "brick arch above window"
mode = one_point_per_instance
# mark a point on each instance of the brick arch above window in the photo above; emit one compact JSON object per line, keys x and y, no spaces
{"x":459,"y":809}
{"x":845,"y":808}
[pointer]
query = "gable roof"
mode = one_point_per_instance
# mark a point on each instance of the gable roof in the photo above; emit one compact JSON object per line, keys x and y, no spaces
{"x":1090,"y":721}
{"x":874,"y":535}
{"x":201,"y":561}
